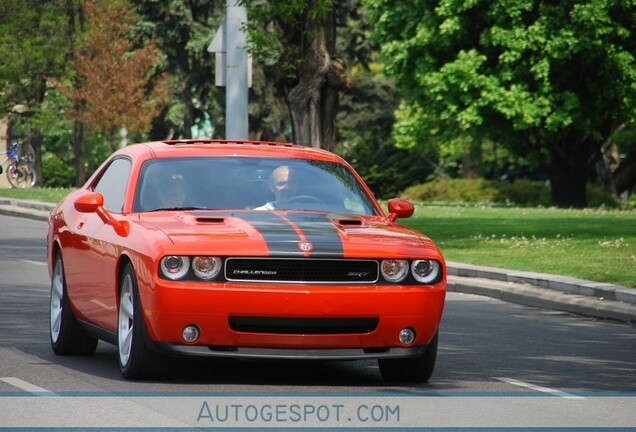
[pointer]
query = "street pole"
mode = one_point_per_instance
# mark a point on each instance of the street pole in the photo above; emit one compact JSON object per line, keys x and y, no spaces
{"x":236,"y":103}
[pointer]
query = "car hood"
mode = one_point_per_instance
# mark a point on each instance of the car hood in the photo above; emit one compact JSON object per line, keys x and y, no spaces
{"x":286,"y":233}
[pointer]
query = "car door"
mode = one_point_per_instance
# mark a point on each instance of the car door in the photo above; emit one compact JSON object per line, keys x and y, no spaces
{"x":91,"y":268}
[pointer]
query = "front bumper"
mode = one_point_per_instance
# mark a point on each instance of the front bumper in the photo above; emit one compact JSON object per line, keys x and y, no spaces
{"x":289,"y":354}
{"x":170,"y":306}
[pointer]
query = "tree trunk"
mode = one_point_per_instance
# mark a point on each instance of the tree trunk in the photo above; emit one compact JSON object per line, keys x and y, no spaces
{"x":78,"y":152}
{"x":569,"y":191}
{"x":625,"y":175}
{"x":569,"y":173}
{"x":36,"y":144}
{"x":188,"y":114}
{"x":313,"y":105}
{"x":312,"y":92}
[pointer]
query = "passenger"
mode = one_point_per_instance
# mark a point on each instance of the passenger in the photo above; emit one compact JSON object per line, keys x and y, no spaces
{"x":169,"y":191}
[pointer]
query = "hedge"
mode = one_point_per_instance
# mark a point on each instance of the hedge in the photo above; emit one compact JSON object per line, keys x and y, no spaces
{"x":478,"y":191}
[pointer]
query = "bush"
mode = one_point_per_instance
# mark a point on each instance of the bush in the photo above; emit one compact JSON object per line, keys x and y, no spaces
{"x":470,"y":191}
{"x":524,"y":193}
{"x":597,"y":198}
{"x":56,"y":173}
{"x":520,"y":193}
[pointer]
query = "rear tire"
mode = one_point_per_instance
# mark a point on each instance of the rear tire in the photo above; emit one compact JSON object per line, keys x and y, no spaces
{"x":417,"y":369}
{"x":136,"y":360}
{"x":21,"y":175}
{"x":66,"y":334}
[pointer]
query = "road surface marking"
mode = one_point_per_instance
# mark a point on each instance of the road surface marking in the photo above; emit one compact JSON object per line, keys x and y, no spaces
{"x":34,"y":262}
{"x":24,"y":385}
{"x":539,"y":388}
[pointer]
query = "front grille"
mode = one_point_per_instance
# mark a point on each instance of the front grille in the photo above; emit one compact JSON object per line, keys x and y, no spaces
{"x":315,"y":326}
{"x":301,"y":270}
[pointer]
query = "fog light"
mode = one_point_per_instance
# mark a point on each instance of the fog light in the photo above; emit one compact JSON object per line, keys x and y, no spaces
{"x":407,"y":336}
{"x":190,"y":333}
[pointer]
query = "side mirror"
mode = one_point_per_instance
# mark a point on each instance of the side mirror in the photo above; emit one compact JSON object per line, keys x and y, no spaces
{"x":93,"y":202}
{"x":89,"y":202}
{"x":400,"y":208}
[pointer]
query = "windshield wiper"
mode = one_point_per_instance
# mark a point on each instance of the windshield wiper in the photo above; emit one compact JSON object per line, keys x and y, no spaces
{"x":177,"y":209}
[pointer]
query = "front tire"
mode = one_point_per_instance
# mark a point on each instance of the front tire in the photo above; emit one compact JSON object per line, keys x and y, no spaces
{"x":136,"y":360}
{"x":21,"y":176}
{"x":66,"y":334}
{"x":417,"y":369}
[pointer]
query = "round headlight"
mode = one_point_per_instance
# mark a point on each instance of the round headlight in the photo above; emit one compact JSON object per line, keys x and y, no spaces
{"x":394,"y":270}
{"x":206,"y":267}
{"x":425,"y":271}
{"x":175,"y":267}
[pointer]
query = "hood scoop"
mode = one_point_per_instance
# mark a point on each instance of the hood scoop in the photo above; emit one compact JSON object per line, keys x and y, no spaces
{"x":209,"y":220}
{"x":349,"y":222}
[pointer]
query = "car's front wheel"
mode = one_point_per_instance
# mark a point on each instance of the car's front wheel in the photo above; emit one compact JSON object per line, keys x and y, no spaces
{"x":136,"y":360}
{"x":66,"y":334}
{"x":417,"y":369}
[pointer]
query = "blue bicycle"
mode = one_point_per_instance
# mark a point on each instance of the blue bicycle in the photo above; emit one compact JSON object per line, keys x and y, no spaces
{"x":21,"y":168}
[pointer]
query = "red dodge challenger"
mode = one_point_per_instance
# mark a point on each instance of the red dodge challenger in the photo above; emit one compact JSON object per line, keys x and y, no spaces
{"x":241,"y":249}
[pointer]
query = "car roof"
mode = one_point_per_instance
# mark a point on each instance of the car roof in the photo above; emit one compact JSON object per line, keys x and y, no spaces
{"x":214,"y":147}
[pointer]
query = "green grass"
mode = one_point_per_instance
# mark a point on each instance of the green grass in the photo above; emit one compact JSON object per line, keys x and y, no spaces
{"x":50,"y":195}
{"x":596,"y":245}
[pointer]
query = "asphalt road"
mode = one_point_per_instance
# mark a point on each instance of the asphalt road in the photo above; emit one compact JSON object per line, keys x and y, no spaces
{"x":488,"y":349}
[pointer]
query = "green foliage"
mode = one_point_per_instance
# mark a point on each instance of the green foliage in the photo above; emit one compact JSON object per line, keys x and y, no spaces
{"x":597,"y":198}
{"x":479,"y":191}
{"x":524,"y":193}
{"x":589,"y":244}
{"x":279,"y":30}
{"x":33,"y":45}
{"x":183,"y":31}
{"x":549,"y":78}
{"x":364,"y":127}
{"x":56,"y":173}
{"x":449,"y":190}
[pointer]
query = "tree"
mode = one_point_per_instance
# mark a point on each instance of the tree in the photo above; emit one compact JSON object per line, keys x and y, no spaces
{"x":117,"y":88}
{"x":33,"y":46}
{"x":365,"y":121}
{"x":551,"y":79}
{"x":367,"y":113}
{"x":183,"y":32}
{"x":299,"y":38}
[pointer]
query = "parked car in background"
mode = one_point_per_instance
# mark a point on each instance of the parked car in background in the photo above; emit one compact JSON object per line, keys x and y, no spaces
{"x":241,"y":249}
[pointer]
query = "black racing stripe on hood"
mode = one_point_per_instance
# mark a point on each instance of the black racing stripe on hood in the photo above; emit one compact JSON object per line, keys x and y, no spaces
{"x":320,"y":231}
{"x":280,"y":236}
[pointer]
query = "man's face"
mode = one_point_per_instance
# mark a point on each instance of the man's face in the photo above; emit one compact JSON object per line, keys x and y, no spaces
{"x":282,"y":183}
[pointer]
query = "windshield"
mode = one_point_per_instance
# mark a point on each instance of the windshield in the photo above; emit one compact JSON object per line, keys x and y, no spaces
{"x":222,"y":183}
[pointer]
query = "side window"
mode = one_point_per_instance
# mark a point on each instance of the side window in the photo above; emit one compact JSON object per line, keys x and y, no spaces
{"x":112,"y":184}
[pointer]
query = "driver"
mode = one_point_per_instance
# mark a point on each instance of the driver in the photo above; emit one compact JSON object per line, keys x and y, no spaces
{"x":284,"y":187}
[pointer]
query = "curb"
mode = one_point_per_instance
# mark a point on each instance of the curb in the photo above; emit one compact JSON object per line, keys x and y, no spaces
{"x":544,"y":298}
{"x":565,"y":284}
{"x":26,"y":208}
{"x":563,"y":293}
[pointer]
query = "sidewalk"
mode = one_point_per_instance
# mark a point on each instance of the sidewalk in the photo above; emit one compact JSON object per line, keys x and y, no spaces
{"x":577,"y":296}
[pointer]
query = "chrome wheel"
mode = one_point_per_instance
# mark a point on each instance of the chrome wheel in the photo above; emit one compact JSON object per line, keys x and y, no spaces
{"x":137,"y":360}
{"x":126,"y":320}
{"x":67,"y":335}
{"x":57,"y":296}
